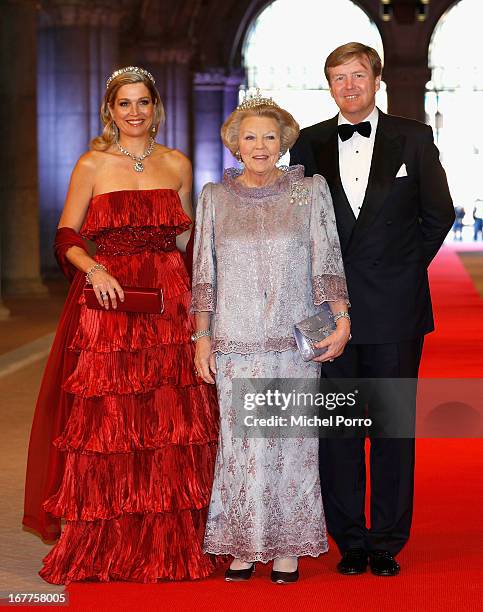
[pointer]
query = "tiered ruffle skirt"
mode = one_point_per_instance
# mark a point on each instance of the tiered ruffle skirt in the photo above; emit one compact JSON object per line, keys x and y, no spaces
{"x":140,"y":443}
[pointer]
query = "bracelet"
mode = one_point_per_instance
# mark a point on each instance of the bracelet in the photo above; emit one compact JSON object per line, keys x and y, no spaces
{"x":94,"y":268}
{"x":199,"y":334}
{"x":341,"y":315}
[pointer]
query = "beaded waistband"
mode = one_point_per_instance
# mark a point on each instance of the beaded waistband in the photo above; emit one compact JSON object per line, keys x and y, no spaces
{"x":133,"y":240}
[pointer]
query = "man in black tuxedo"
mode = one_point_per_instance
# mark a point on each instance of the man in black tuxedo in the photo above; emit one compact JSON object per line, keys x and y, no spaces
{"x":393,"y":211}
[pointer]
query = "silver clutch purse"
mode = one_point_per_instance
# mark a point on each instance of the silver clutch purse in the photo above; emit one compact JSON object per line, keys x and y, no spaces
{"x":314,"y":329}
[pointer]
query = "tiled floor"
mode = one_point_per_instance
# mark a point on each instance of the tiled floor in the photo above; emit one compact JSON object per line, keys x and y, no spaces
{"x":31,"y":318}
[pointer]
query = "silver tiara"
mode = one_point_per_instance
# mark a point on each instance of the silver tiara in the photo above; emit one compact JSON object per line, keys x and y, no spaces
{"x":116,"y":73}
{"x":254,"y":100}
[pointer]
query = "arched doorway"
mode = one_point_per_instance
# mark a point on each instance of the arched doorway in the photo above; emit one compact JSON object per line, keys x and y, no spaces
{"x":286,"y":46}
{"x":455,"y":97}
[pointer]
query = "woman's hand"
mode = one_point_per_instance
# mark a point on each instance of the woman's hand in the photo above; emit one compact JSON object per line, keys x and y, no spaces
{"x":205,"y":362}
{"x":335,"y":343}
{"x":105,"y":287}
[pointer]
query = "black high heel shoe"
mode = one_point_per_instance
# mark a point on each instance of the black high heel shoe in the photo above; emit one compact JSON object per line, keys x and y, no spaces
{"x":284,"y":577}
{"x":239,"y":575}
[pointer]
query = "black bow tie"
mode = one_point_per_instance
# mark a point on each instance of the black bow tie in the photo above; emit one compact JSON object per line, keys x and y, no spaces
{"x":346,"y":130}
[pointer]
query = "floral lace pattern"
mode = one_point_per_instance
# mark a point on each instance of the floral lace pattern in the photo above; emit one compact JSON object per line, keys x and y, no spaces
{"x":268,"y":261}
{"x":266,"y":500}
{"x":328,"y":288}
{"x":225,"y":345}
{"x":281,"y":184}
{"x":204,"y":297}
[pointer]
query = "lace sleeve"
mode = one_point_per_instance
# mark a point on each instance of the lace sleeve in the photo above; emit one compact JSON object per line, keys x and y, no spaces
{"x":328,"y":278}
{"x":204,"y":260}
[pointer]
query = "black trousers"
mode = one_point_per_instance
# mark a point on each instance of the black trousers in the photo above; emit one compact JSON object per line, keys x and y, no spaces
{"x":342,"y":461}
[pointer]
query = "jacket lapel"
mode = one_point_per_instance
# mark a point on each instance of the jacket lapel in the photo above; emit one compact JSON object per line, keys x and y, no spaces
{"x":326,"y":153}
{"x":326,"y":150}
{"x":386,"y":160}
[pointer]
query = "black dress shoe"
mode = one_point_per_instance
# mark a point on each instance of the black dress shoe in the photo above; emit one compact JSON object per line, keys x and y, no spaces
{"x":383,"y":563}
{"x":354,"y":561}
{"x":239,"y":575}
{"x":284,"y":577}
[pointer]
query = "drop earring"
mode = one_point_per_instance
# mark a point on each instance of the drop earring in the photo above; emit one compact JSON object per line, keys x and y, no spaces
{"x":115,"y":130}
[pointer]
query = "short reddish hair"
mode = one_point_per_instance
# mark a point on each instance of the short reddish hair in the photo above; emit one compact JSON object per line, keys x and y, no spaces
{"x":350,"y":51}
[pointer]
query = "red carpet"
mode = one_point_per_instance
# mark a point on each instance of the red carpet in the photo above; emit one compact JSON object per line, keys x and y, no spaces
{"x":455,"y":349}
{"x":442,"y":567}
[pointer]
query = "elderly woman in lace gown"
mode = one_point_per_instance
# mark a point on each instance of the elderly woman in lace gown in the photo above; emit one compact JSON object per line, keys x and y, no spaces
{"x":266,"y":256}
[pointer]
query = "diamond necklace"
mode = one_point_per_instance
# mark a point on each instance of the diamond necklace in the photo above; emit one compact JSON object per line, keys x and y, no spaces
{"x":138,"y":166}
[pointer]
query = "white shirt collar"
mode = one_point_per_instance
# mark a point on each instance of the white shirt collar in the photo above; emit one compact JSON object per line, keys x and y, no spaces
{"x":372,"y":117}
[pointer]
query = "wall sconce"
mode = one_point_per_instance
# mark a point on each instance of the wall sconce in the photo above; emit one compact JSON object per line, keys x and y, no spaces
{"x":385,"y":10}
{"x":422,"y":10}
{"x":404,"y":11}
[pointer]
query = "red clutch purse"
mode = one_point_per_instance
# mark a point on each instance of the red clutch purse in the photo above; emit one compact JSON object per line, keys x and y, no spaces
{"x":136,"y":299}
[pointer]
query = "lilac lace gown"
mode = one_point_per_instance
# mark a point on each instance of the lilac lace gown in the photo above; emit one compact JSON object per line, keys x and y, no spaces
{"x":264,"y":259}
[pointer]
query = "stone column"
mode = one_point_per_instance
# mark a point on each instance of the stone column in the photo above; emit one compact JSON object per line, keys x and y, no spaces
{"x":215,"y":96}
{"x":209,"y":109}
{"x":78,"y":50}
{"x":19,"y":238}
{"x":171,"y":71}
{"x":4,"y":311}
{"x":406,"y":88}
{"x":230,"y":102}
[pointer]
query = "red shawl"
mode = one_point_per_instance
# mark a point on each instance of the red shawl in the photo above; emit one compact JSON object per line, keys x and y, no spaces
{"x":45,"y":465}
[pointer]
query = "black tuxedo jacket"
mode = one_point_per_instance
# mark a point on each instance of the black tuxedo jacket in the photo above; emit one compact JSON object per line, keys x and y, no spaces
{"x":401,"y":225}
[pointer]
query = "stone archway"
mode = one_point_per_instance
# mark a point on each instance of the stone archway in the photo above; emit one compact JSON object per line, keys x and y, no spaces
{"x":455,"y":91}
{"x":222,"y":73}
{"x":243,"y":15}
{"x":405,"y":44}
{"x":285,"y":49}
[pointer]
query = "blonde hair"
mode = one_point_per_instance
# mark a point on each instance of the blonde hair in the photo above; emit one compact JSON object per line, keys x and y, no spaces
{"x":349,"y":51}
{"x":289,"y":128}
{"x":110,"y":133}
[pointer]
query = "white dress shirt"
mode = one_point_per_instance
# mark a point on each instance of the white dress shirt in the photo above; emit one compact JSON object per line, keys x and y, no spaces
{"x":355,"y":156}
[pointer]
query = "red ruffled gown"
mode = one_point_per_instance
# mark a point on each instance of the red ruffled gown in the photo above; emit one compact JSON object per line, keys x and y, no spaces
{"x":140,"y":441}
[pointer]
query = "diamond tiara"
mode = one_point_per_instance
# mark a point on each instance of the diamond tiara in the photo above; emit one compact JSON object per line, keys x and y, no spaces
{"x":116,"y":73}
{"x":254,"y":100}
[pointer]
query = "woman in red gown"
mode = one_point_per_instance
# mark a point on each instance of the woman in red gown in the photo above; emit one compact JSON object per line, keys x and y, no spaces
{"x":124,"y":434}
